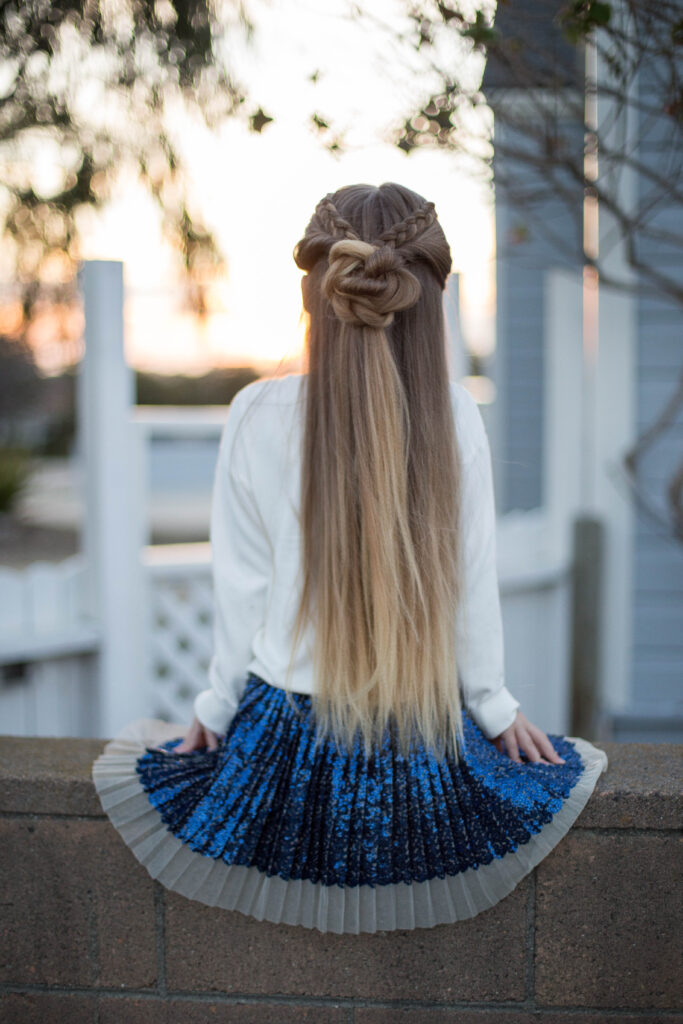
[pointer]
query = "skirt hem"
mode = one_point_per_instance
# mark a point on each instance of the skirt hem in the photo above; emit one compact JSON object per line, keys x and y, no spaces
{"x":338,"y":909}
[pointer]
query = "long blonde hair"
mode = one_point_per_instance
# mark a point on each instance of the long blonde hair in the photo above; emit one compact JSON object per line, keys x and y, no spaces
{"x":380,"y":510}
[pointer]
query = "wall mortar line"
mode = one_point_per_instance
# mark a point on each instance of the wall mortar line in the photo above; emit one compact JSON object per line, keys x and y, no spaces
{"x":160,"y":931}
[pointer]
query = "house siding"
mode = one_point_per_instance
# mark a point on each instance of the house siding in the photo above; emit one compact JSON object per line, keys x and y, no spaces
{"x":657,"y":674}
{"x":657,"y":657}
{"x":519,"y":362}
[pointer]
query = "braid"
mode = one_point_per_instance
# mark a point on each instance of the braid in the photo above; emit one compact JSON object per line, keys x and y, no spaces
{"x":366,"y":282}
{"x":332,"y":221}
{"x":397,"y":235}
{"x":417,"y":238}
{"x":408,"y":229}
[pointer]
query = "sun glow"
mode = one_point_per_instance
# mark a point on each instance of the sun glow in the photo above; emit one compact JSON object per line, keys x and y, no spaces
{"x":257,"y":192}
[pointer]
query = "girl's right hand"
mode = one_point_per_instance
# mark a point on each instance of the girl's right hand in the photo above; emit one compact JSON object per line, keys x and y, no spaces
{"x":534,"y":742}
{"x":197,"y":737}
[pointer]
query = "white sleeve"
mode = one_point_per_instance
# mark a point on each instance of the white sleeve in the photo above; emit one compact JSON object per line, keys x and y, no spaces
{"x":479,"y":634}
{"x":241,"y":561}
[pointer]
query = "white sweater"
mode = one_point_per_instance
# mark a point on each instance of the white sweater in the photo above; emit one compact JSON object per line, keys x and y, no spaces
{"x":256,"y":558}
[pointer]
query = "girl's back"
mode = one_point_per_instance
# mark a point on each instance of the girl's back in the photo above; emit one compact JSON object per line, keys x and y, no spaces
{"x":262,"y":450}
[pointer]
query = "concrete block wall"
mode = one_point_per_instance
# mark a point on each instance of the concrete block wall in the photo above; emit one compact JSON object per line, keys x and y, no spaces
{"x":591,"y":936}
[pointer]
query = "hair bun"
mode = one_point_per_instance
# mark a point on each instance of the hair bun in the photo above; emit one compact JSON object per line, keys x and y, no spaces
{"x":366,"y":284}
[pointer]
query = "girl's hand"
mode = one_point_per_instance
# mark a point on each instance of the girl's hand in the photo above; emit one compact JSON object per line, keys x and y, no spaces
{"x":197,"y":736}
{"x":534,"y":742}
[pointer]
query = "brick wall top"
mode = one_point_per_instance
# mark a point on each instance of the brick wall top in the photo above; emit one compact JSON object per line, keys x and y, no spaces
{"x":642,"y":787}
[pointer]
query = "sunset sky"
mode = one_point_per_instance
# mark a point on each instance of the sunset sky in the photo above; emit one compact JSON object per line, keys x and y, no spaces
{"x":257,"y":193}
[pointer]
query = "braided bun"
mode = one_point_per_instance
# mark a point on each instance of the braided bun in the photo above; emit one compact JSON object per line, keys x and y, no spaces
{"x":366,"y":284}
{"x":368,"y":251}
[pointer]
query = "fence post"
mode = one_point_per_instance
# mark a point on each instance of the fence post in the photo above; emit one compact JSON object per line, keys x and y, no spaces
{"x":113,"y":522}
{"x":587,"y":625}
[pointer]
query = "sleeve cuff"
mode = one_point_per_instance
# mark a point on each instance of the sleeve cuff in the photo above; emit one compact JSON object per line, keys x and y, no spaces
{"x":495,"y":714}
{"x":213,"y":712}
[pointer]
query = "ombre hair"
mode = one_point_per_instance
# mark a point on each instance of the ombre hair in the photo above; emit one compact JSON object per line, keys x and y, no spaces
{"x":380,"y":486}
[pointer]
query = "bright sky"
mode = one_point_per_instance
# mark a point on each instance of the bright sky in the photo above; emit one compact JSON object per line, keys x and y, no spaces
{"x":257,"y":193}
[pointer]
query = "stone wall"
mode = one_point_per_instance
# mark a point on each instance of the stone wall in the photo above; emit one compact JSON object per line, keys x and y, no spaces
{"x":591,"y":936}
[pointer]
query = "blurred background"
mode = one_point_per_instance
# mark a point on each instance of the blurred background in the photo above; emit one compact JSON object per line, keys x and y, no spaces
{"x":158,"y":162}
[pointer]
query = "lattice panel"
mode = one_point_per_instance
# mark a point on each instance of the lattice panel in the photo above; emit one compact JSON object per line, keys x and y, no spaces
{"x":181,"y":642}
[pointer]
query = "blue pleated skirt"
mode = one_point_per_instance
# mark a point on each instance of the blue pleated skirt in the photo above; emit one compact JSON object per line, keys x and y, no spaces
{"x":285,"y":830}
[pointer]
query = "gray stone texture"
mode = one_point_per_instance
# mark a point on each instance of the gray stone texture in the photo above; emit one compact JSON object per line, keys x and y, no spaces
{"x":608,"y":922}
{"x":642,"y":788}
{"x":47,"y":1008}
{"x":49,"y":775}
{"x":210,"y":949}
{"x":78,"y":908}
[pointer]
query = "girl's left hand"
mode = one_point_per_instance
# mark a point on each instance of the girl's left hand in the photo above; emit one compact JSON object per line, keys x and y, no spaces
{"x":197,"y":736}
{"x":535,"y":743}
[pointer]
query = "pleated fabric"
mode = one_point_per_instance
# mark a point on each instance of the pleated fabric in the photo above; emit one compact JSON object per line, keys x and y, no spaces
{"x":284,"y":831}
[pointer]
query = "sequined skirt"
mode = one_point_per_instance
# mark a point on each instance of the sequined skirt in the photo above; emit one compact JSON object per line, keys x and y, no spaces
{"x":271,"y":825}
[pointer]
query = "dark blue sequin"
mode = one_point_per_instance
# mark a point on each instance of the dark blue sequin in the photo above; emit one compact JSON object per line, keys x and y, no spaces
{"x":267,"y":798}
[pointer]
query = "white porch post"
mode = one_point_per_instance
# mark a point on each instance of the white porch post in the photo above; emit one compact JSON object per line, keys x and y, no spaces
{"x":562,"y":388}
{"x":457,"y":355}
{"x":113,"y":523}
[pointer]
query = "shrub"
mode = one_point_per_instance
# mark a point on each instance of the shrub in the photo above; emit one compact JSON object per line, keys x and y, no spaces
{"x":15,"y":466}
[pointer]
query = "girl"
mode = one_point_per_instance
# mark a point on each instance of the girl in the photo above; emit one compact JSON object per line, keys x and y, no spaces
{"x":357,"y":762}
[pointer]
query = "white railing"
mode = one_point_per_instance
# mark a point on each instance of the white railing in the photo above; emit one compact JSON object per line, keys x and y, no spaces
{"x":47,"y":651}
{"x":180,"y":621}
{"x":50,"y":649}
{"x":170,"y":512}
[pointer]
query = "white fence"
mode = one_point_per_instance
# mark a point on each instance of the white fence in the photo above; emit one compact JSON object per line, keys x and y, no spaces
{"x":48,"y":649}
{"x":125,"y":629}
